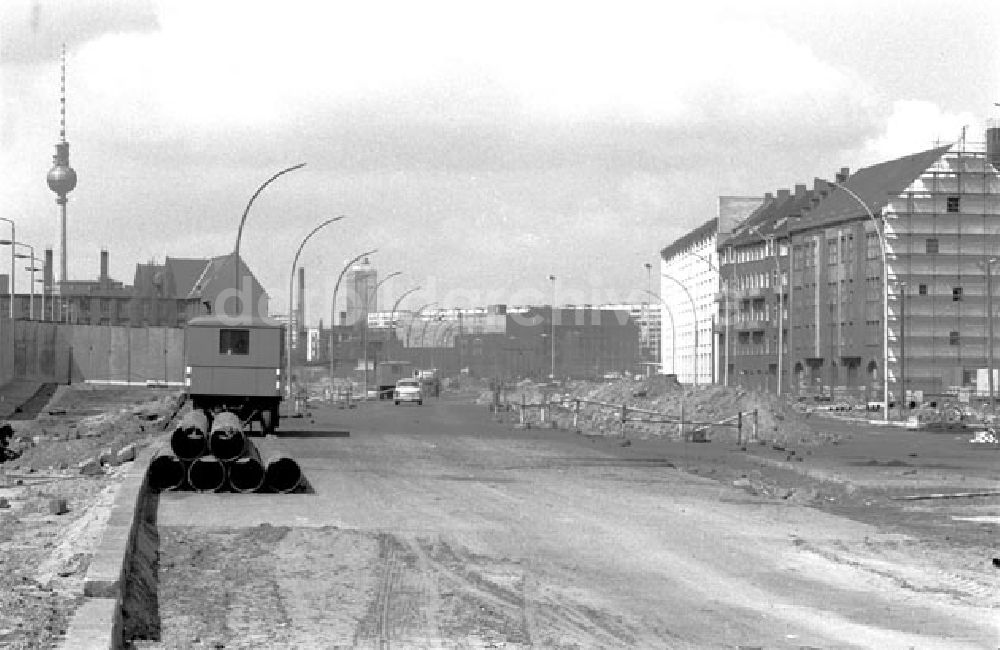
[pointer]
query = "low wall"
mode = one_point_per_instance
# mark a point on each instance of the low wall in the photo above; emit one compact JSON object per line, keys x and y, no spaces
{"x":67,"y":353}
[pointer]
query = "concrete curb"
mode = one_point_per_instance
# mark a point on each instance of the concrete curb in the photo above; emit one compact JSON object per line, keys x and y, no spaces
{"x":98,"y":621}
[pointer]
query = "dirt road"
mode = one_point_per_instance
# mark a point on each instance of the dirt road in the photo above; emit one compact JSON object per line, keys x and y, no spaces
{"x":434,"y":527}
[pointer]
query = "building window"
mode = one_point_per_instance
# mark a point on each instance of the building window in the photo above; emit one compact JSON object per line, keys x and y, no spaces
{"x":234,"y":341}
{"x":953,"y":338}
{"x":831,"y":252}
{"x":873,"y":249}
{"x":931,"y":245}
{"x":954,"y":204}
{"x":956,"y":294}
{"x":847,"y":249}
{"x":922,"y":289}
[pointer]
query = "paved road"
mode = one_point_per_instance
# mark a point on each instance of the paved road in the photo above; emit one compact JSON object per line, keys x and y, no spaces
{"x":434,"y":527}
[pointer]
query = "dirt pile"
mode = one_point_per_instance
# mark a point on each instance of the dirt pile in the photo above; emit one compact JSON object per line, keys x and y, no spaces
{"x":703,"y":406}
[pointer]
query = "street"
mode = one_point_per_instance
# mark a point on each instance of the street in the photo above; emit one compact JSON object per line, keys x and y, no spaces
{"x":433,"y":526}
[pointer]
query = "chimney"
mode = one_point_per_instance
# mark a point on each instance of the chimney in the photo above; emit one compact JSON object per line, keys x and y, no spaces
{"x":783,"y":194}
{"x":104,"y":267}
{"x":768,"y":197}
{"x":47,"y":273}
{"x":301,"y":316}
{"x":993,"y":143}
{"x":844,"y":174}
{"x":800,"y":189}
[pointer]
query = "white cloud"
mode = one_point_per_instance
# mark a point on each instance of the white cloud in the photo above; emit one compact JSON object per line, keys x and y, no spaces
{"x":209,"y":67}
{"x":916,"y":125}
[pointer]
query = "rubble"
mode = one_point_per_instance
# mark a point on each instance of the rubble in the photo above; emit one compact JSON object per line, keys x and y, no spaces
{"x":90,"y":467}
{"x":703,"y":406}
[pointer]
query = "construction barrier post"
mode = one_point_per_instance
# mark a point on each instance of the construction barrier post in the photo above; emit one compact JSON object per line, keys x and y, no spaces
{"x":522,"y":409}
{"x":754,"y":429}
{"x":680,"y":423}
{"x":623,"y":416}
{"x":739,"y":428}
{"x":576,"y":412}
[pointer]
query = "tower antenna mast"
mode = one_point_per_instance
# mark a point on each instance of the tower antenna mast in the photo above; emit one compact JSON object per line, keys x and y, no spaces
{"x":62,"y":177}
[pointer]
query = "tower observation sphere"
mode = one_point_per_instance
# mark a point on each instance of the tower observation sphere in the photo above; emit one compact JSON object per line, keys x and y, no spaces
{"x":62,"y":177}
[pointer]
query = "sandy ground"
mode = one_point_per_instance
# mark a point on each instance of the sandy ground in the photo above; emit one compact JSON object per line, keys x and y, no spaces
{"x":44,"y":555}
{"x":436,"y":527}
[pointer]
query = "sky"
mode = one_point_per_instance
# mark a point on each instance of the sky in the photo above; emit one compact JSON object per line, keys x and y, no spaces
{"x":480,"y":147}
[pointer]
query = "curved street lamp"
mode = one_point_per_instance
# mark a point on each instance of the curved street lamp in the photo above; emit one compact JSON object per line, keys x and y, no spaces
{"x":13,"y":238}
{"x":413,"y":320}
{"x":552,"y":333}
{"x":291,"y":290}
{"x":725,"y":308}
{"x":32,"y":259}
{"x":392,"y":314}
{"x":673,"y":333}
{"x":885,"y":296}
{"x":333,"y":309}
{"x":364,"y":324}
{"x":243,"y":219}
{"x":694,"y":314}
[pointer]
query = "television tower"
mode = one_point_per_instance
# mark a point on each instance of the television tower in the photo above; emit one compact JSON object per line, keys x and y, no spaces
{"x":62,"y":177}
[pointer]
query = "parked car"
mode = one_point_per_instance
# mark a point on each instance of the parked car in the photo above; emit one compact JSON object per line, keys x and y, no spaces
{"x":408,"y":390}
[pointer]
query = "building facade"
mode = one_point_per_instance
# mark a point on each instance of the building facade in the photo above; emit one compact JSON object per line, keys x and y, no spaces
{"x":883,"y":277}
{"x":689,"y":282}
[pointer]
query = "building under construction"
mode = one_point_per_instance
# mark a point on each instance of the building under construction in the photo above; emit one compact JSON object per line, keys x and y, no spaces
{"x":883,"y":274}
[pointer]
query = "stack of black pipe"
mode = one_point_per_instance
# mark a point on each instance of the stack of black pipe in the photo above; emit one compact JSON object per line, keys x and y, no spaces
{"x":214,"y":458}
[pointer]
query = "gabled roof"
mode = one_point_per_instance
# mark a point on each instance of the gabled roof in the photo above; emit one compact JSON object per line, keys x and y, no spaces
{"x":217,"y":266}
{"x":773,"y":217}
{"x":875,"y":186}
{"x":186,"y":272}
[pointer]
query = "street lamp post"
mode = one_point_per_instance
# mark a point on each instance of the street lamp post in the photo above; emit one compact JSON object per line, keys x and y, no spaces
{"x":552,"y":332}
{"x":13,"y":238}
{"x":243,"y":219}
{"x":987,"y":265}
{"x":694,"y":313}
{"x":772,"y":241}
{"x":33,"y":259}
{"x":395,"y":306}
{"x":673,"y":333}
{"x":364,"y":325}
{"x":885,"y":296}
{"x":413,"y":320}
{"x":333,"y":312}
{"x":291,"y":290}
{"x":725,"y":308}
{"x":645,"y":305}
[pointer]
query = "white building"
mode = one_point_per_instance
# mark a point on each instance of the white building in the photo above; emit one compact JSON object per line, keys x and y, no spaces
{"x":689,"y":290}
